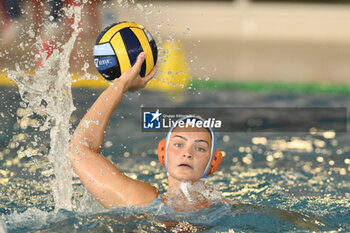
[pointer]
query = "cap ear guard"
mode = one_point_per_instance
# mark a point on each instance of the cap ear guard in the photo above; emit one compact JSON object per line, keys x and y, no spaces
{"x":161,"y":151}
{"x":215,"y":163}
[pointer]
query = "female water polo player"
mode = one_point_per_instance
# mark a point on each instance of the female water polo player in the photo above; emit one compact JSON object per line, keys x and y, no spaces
{"x":188,"y":154}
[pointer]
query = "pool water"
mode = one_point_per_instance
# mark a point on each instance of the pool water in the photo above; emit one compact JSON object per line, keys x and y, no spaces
{"x":307,"y":173}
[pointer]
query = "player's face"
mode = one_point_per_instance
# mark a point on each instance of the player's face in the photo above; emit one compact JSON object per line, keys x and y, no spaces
{"x":188,"y":153}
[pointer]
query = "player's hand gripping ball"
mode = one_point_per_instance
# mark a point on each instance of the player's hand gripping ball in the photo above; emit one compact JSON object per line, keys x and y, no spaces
{"x":118,"y":46}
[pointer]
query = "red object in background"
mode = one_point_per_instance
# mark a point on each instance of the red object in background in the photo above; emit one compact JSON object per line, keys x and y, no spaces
{"x":70,"y":21}
{"x":6,"y":17}
{"x":38,"y":12}
{"x":48,"y":46}
{"x":93,"y":13}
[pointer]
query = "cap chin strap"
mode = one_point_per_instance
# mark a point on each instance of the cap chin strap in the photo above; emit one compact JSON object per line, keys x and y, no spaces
{"x":184,"y":189}
{"x":212,"y":149}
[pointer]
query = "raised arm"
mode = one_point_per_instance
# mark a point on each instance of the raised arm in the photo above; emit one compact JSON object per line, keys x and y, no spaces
{"x":104,"y":180}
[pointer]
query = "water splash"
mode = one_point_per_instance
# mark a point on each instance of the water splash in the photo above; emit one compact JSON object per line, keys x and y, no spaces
{"x":196,"y":194}
{"x":49,"y":91}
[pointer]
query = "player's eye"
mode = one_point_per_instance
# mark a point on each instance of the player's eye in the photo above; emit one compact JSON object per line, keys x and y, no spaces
{"x":201,"y":149}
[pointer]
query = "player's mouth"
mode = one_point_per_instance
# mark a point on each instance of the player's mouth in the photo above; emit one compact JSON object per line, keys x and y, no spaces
{"x":185,"y":165}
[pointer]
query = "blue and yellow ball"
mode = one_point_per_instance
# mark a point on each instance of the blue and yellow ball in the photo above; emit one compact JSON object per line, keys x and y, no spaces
{"x":118,"y":46}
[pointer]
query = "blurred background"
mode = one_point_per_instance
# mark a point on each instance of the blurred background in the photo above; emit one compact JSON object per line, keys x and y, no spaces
{"x":286,"y":41}
{"x":283,"y":41}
